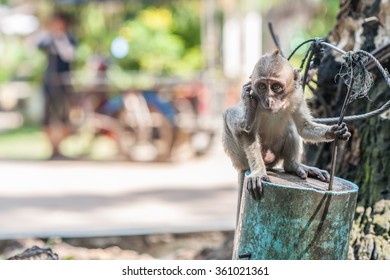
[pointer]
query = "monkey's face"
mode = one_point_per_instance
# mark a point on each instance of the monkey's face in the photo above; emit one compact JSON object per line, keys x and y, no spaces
{"x":273,"y":81}
{"x":271,"y":93}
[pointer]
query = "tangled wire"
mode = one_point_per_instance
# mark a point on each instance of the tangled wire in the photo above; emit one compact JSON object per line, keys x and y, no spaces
{"x":354,"y":67}
{"x":356,"y":77}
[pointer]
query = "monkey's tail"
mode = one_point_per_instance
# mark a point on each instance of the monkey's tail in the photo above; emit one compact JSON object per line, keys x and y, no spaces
{"x":241,"y":178}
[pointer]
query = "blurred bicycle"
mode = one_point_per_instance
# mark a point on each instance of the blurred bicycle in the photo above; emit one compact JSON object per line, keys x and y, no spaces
{"x":144,"y":125}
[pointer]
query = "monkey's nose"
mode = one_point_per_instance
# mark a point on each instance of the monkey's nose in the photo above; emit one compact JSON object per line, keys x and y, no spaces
{"x":265,"y":104}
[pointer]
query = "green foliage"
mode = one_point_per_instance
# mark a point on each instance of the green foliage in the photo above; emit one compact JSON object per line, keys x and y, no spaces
{"x":186,"y":22}
{"x":163,"y":39}
{"x":322,"y":21}
{"x":24,"y":143}
{"x":93,"y":32}
{"x":18,"y":61}
{"x":152,"y":46}
{"x":324,"y":18}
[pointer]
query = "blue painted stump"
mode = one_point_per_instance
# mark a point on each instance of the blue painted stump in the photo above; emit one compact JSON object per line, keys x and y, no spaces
{"x":296,"y":219}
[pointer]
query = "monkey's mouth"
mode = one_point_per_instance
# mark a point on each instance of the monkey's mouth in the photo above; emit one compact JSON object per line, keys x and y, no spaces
{"x":271,"y":110}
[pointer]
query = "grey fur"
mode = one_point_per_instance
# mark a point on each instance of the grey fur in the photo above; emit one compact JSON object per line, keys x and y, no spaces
{"x":268,"y":126}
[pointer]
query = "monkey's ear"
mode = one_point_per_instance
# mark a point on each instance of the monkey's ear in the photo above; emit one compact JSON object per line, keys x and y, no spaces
{"x":297,"y":77}
{"x":276,"y":52}
{"x":297,"y":73}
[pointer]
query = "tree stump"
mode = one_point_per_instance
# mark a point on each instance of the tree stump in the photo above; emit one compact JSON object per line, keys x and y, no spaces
{"x":296,"y":219}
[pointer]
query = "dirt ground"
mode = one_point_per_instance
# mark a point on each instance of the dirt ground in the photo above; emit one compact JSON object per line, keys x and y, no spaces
{"x":188,"y":246}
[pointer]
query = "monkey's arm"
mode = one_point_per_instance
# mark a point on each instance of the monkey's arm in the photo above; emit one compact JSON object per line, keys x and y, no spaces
{"x":242,"y":144}
{"x":252,"y":148}
{"x":249,"y":103}
{"x":315,"y":132}
{"x":250,"y":141}
{"x":312,"y":132}
{"x":244,"y":150}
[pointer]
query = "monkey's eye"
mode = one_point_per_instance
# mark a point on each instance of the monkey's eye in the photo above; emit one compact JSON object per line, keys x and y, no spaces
{"x":276,"y":87}
{"x":262,"y":86}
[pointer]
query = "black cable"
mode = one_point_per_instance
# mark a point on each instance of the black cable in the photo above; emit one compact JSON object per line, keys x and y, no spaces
{"x":307,"y":70}
{"x":275,"y":38}
{"x":297,"y":48}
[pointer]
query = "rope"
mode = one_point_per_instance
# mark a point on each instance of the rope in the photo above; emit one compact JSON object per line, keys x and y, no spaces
{"x":355,"y":76}
{"x":362,"y":87}
{"x":352,"y":118}
{"x":353,"y":68}
{"x":384,"y":71}
{"x":357,"y":57}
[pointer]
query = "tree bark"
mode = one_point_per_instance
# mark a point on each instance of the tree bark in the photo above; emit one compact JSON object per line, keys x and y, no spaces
{"x":365,"y":159}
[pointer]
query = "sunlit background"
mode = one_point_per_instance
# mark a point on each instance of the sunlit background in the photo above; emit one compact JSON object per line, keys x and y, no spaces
{"x":197,"y":53}
{"x":150,"y":82}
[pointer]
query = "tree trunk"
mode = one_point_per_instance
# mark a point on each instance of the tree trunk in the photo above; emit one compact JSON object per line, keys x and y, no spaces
{"x":365,"y":159}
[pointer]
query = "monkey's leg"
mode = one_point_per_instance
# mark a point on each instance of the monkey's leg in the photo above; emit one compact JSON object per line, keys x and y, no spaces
{"x":337,"y":132}
{"x":304,"y":171}
{"x":315,"y":172}
{"x":292,"y":152}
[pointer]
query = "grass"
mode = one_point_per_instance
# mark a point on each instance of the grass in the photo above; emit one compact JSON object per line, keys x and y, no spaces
{"x":24,"y":143}
{"x":31,"y":143}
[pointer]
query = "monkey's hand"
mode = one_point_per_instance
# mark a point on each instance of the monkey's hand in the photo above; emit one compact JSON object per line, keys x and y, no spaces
{"x":303,"y":171}
{"x":246,"y":90}
{"x":250,"y":104}
{"x":255,"y":185}
{"x":338,"y":131}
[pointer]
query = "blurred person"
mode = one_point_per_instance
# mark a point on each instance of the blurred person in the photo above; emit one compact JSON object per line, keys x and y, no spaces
{"x":59,"y":47}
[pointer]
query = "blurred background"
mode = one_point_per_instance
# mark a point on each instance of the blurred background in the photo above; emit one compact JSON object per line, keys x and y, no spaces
{"x":178,"y":64}
{"x":140,"y":151}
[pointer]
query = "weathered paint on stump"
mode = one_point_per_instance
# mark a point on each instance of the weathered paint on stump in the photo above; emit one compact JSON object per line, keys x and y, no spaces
{"x":296,"y":219}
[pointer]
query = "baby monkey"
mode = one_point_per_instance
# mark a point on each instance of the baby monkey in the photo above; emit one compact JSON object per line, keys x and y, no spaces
{"x":268,"y":125}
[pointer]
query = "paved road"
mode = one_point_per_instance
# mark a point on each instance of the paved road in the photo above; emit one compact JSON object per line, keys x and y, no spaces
{"x":74,"y":199}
